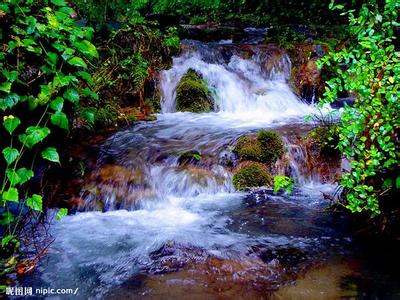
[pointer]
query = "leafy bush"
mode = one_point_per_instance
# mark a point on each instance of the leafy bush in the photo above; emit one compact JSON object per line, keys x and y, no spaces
{"x":43,"y":61}
{"x":368,"y":133}
{"x":129,"y":61}
{"x":283,"y":182}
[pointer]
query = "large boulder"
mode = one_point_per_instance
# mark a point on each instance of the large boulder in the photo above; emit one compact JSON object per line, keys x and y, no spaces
{"x":192,"y":94}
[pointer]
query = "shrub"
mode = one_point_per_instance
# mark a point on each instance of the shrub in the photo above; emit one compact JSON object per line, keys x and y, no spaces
{"x":368,"y":133}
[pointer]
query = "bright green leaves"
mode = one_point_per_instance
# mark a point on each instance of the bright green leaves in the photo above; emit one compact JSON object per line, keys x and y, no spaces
{"x":87,"y":48}
{"x":89,"y":93}
{"x":33,"y":135}
{"x":367,"y":132}
{"x":10,"y":154}
{"x":77,"y":62}
{"x":283,"y":182}
{"x":35,"y":202}
{"x":59,"y":2}
{"x":10,"y":123}
{"x":57,"y":104}
{"x":5,"y":87}
{"x":24,"y":175}
{"x":60,"y":119}
{"x":71,"y":95}
{"x":42,"y":66}
{"x":20,"y":176}
{"x":62,"y":212}
{"x":51,"y":154}
{"x":10,"y":195}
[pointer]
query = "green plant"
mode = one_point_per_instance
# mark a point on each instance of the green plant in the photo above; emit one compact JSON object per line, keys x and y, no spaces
{"x":283,"y":182}
{"x":370,"y":69}
{"x":43,"y":62}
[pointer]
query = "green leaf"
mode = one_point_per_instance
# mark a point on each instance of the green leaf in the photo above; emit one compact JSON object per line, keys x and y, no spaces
{"x":10,"y":123}
{"x":24,"y":174}
{"x":7,"y":239}
{"x":11,"y":195}
{"x":35,"y":202}
{"x":398,"y":182}
{"x":33,"y":135}
{"x":71,"y":95}
{"x":60,"y":119}
{"x":59,"y":2}
{"x":62,"y":212}
{"x":90,"y":93}
{"x":87,"y":48}
{"x":78,"y":62}
{"x":10,"y":154}
{"x":5,"y":87}
{"x":13,"y":177}
{"x":9,"y":101}
{"x":51,"y":154}
{"x":57,"y":104}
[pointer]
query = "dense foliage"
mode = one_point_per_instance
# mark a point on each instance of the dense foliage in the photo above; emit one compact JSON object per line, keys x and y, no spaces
{"x":43,"y":60}
{"x":369,"y":69}
{"x":103,"y":12}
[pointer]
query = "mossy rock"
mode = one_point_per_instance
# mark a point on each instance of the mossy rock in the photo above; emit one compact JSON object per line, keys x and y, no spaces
{"x":265,"y":147}
{"x":192,"y":94}
{"x":252,"y":175}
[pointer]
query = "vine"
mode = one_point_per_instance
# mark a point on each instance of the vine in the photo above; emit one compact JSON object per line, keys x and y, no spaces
{"x":43,"y":60}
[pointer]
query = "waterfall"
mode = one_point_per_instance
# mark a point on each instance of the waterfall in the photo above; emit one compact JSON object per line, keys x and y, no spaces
{"x":256,"y":86}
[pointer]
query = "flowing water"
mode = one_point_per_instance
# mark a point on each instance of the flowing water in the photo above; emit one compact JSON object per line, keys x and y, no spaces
{"x":154,"y":225}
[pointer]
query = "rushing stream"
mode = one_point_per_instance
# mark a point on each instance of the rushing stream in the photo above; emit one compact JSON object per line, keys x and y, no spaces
{"x":157,"y":228}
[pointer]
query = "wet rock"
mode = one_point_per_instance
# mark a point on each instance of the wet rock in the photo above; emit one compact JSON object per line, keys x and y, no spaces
{"x":172,"y":257}
{"x":118,"y":175}
{"x":342,"y":102}
{"x":306,"y":77}
{"x":189,"y":157}
{"x":212,"y":278}
{"x":192,"y":94}
{"x":323,"y":159}
{"x":251,"y":174}
{"x":308,"y":80}
{"x":228,"y":159}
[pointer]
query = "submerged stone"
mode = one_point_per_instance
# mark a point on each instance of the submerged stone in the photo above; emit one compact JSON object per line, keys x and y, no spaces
{"x":192,"y":94}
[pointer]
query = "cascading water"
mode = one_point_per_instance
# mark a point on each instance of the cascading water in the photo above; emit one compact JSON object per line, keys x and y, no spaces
{"x":243,"y":88}
{"x":168,"y":201}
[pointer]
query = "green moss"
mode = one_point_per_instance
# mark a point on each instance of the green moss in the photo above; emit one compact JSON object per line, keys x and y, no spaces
{"x":252,"y":175}
{"x":271,"y":144}
{"x":192,"y":94}
{"x":266,"y":147}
